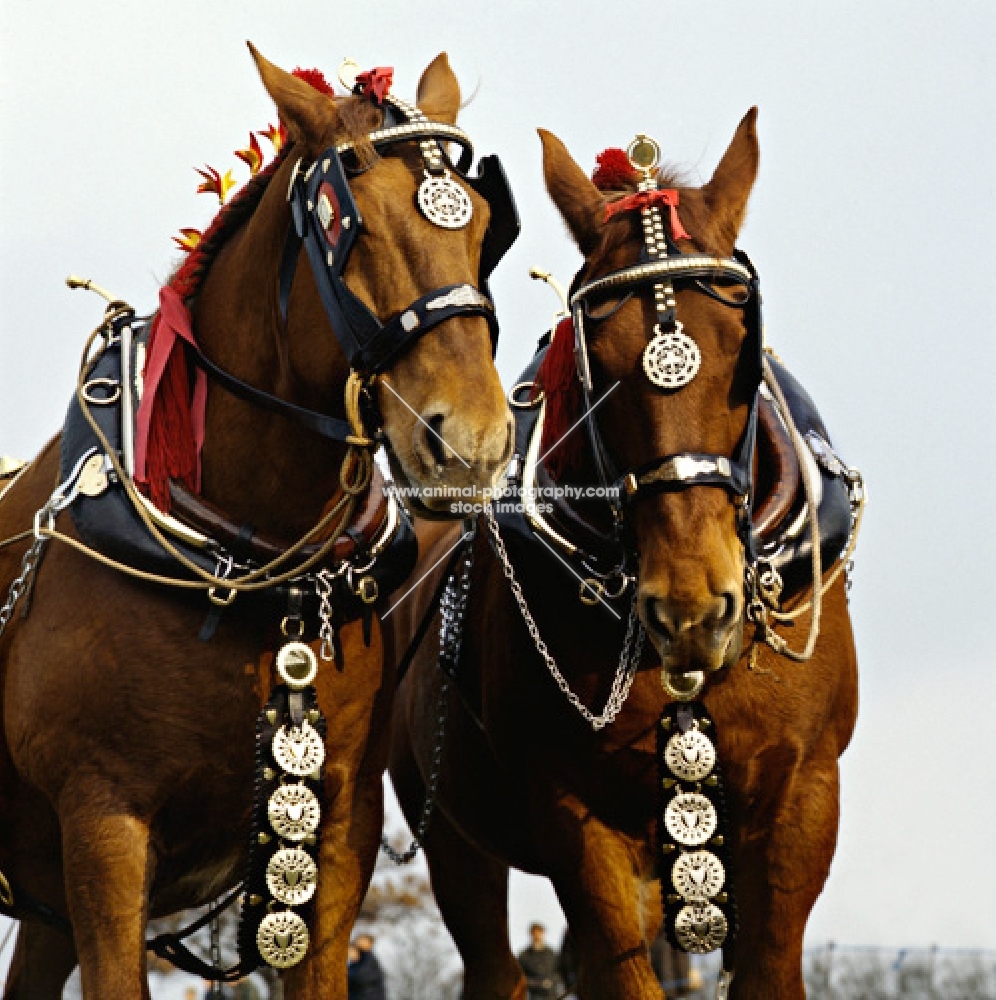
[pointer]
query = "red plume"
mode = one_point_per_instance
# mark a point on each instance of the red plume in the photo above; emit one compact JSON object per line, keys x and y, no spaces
{"x":614,"y":171}
{"x":317,"y":80}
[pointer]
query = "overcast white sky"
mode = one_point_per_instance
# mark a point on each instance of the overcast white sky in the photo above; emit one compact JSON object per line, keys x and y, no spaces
{"x":872,"y":227}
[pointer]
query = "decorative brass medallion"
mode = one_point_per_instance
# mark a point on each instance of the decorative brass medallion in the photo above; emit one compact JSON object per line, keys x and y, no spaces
{"x":443,"y":202}
{"x":698,"y":876}
{"x":282,"y":939}
{"x":297,"y":665}
{"x":292,"y":876}
{"x":671,"y":360}
{"x":700,"y":928}
{"x":294,"y":812}
{"x":690,"y":818}
{"x":690,"y":756}
{"x":299,"y":750}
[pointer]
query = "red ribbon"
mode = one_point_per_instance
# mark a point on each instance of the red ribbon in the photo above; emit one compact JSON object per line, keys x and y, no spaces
{"x":644,"y":199}
{"x":172,"y":326}
{"x":375,"y":82}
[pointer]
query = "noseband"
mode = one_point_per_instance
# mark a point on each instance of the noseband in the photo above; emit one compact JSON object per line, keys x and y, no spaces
{"x":326,"y":220}
{"x":671,"y":360}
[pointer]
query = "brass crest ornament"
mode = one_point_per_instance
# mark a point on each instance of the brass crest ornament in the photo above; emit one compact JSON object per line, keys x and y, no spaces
{"x":294,"y":812}
{"x":443,"y":202}
{"x":690,"y":756}
{"x":690,"y":818}
{"x":698,"y":876}
{"x":292,"y":876}
{"x":299,"y":750}
{"x":282,"y":939}
{"x":700,"y":928}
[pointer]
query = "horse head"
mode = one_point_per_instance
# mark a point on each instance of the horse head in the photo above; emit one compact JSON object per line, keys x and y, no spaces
{"x":390,"y":295}
{"x":686,"y":538}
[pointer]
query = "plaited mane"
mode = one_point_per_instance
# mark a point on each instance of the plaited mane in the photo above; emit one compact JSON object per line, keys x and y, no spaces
{"x":169,"y":435}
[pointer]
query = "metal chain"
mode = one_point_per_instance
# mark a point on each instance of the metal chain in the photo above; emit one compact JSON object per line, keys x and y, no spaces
{"x":629,"y":656}
{"x":324,"y":581}
{"x":453,"y":609}
{"x":29,"y":563}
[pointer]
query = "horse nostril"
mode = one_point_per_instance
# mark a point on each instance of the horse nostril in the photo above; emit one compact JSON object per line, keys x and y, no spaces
{"x":433,"y":433}
{"x":730,"y":610}
{"x":658,"y":620}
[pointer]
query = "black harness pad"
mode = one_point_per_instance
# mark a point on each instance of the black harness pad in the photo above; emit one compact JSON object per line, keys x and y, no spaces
{"x":792,"y":556}
{"x":109,"y":523}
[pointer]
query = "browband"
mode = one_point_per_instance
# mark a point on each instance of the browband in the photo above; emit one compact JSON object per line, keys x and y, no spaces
{"x":687,"y":266}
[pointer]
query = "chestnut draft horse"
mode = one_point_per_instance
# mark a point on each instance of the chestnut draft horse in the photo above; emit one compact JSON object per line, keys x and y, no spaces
{"x":525,"y":781}
{"x":126,"y":756}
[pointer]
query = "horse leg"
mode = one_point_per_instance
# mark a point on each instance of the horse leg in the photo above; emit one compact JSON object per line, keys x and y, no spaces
{"x":780,"y":877}
{"x":43,"y":960}
{"x":107,"y":862}
{"x":471,"y":889}
{"x":612,"y":905}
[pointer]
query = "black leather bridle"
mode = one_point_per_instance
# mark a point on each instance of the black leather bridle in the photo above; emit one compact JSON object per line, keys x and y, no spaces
{"x":325,"y":219}
{"x":683,"y":470}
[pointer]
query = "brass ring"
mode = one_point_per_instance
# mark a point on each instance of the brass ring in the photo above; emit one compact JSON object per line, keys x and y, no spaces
{"x":285,"y":629}
{"x":111,"y":384}
{"x":689,"y":687}
{"x":527,"y":404}
{"x":591,"y":591}
{"x":215,"y":596}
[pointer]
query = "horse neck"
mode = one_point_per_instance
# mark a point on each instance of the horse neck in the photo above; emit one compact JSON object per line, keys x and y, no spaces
{"x":260,"y":467}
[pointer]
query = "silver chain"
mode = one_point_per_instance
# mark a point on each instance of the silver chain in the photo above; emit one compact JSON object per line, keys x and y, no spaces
{"x":29,"y":563}
{"x":629,"y":657}
{"x":452,"y":609}
{"x":324,"y":582}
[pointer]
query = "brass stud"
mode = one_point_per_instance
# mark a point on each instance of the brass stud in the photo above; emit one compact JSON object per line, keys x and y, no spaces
{"x":718,"y":841}
{"x":271,"y":716}
{"x":264,"y":838}
{"x":269,"y":774}
{"x":314,"y":715}
{"x":668,"y":848}
{"x":255,"y":899}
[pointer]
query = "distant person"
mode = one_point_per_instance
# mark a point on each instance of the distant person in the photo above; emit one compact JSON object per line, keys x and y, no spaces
{"x":539,"y":963}
{"x":365,"y":977}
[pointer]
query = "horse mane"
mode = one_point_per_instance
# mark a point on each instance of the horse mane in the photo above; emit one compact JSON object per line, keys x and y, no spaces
{"x":558,"y":375}
{"x":172,"y":431}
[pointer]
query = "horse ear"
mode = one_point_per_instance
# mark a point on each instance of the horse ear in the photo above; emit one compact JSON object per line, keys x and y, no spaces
{"x":727,"y":193}
{"x":308,"y":115}
{"x":580,"y":203}
{"x":438,"y":95}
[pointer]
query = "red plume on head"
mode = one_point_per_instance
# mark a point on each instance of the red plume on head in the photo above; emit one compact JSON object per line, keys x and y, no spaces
{"x":317,"y":80}
{"x":614,"y":171}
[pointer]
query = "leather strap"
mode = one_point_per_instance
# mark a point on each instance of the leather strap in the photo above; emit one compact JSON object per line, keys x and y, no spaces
{"x":332,"y":428}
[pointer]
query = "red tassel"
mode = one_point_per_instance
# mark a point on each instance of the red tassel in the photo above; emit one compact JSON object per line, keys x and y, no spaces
{"x":169,"y":427}
{"x":614,"y":171}
{"x":558,"y":378}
